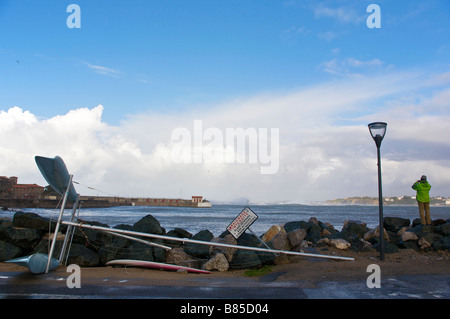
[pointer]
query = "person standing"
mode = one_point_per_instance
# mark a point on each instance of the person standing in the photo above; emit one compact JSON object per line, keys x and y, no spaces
{"x":423,"y":199}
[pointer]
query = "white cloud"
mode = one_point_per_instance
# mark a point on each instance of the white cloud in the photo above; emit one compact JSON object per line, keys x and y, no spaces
{"x":342,"y":14}
{"x":359,"y":63}
{"x":325,"y":148}
{"x":293,"y":33}
{"x":103,"y":70}
{"x":351,"y":66}
{"x":327,"y":36}
{"x":15,"y":117}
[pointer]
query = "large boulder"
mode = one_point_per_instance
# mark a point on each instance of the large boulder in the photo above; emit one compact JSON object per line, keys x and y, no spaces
{"x":159,"y":254}
{"x":33,"y":221}
{"x":180,"y":233}
{"x":83,"y":256}
{"x":114,"y":246}
{"x":394,"y":224}
{"x":124,"y":227}
{"x":178,"y":256}
{"x":138,"y":251}
{"x":443,"y":229}
{"x":438,"y":222}
{"x":388,"y":247}
{"x":436,"y":240}
{"x":444,"y":244}
{"x":199,"y":250}
{"x":424,"y":244}
{"x":340,"y":243}
{"x":290,"y":226}
{"x":421,"y":230}
{"x":431,"y":237}
{"x":273,"y":230}
{"x":244,"y":259}
{"x":5,"y":221}
{"x":408,"y":236}
{"x":150,"y":225}
{"x":314,"y":228}
{"x":45,"y":243}
{"x":9,"y":251}
{"x":373,"y":235}
{"x":359,"y":245}
{"x":93,"y":239}
{"x":106,"y":254}
{"x":25,"y":238}
{"x":314,"y":232}
{"x":248,"y":240}
{"x":296,"y":237}
{"x":354,"y":228}
{"x":228,"y":252}
{"x":177,"y":233}
{"x":324,"y":242}
{"x":218,"y":262}
{"x":416,"y":222}
{"x":119,"y":241}
{"x":410,"y":244}
{"x":280,"y":242}
{"x":326,"y":229}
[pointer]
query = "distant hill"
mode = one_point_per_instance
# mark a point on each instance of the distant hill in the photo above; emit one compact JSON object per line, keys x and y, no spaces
{"x":400,"y":200}
{"x":362,"y":200}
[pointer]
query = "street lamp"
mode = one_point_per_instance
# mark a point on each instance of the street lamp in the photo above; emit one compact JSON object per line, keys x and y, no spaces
{"x":378,"y":130}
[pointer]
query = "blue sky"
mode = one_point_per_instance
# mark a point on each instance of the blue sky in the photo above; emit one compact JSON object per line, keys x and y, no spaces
{"x":157,"y":65}
{"x":165,"y":55}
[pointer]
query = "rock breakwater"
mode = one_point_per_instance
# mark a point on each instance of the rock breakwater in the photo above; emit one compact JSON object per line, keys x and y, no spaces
{"x":28,"y":233}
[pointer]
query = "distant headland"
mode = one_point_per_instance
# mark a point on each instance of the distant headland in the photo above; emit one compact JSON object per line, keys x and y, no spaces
{"x":397,"y":200}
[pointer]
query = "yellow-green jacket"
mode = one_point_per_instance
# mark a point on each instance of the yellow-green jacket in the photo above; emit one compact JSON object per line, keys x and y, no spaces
{"x":423,"y":191}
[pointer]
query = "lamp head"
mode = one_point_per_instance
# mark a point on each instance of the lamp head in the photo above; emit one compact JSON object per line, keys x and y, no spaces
{"x":378,"y":130}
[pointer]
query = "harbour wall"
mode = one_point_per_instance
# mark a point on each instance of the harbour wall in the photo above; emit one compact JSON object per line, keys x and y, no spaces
{"x":100,"y":202}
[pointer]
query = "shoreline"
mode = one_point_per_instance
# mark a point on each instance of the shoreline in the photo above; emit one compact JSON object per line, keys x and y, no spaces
{"x":48,"y":203}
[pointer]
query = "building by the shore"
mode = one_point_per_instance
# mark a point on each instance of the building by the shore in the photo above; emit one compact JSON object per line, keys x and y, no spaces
{"x":9,"y":188}
{"x":14,"y":195}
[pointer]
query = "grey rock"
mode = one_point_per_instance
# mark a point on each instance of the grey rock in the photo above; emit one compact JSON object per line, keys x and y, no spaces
{"x":218,"y":262}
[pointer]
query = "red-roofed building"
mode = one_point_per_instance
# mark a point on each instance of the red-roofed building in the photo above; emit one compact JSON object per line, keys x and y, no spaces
{"x":197,"y":199}
{"x":30,"y":191}
{"x":10,"y":189}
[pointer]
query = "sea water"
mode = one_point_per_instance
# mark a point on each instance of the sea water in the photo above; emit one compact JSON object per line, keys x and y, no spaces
{"x":217,"y":218}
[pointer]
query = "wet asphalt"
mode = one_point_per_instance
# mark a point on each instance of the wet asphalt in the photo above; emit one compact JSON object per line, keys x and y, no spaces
{"x":24,"y":285}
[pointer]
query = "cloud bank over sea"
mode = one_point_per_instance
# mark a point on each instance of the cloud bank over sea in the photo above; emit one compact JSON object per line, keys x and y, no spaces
{"x":325,"y":149}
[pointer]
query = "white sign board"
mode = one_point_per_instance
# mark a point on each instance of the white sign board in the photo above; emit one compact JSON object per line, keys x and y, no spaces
{"x":242,"y":222}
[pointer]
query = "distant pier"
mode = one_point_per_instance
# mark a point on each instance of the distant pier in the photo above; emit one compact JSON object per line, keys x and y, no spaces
{"x":104,"y":201}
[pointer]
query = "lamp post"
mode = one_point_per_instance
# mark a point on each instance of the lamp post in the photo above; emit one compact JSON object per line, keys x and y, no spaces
{"x":378,"y":130}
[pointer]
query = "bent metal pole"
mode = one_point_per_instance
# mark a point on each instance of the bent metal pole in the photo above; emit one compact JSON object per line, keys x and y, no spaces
{"x":58,"y":223}
{"x":134,"y":233}
{"x":69,"y":234}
